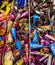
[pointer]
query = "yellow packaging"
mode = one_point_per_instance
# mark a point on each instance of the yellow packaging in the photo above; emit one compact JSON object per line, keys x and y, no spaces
{"x":8,"y":58}
{"x":9,"y":26}
{"x":2,"y":43}
{"x":26,"y":28}
{"x":46,"y":27}
{"x":9,"y":37}
{"x":4,"y":3}
{"x":7,"y":10}
{"x":8,"y":7}
{"x":20,"y":62}
{"x":2,"y":32}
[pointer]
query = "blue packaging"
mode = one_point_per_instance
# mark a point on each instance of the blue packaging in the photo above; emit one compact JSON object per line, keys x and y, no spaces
{"x":30,"y":27}
{"x":13,"y":32}
{"x":51,"y":23}
{"x":35,"y":19}
{"x":36,"y":46}
{"x":22,"y":3}
{"x":52,"y":48}
{"x":35,"y":39}
{"x":1,"y":38}
{"x":18,"y":45}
